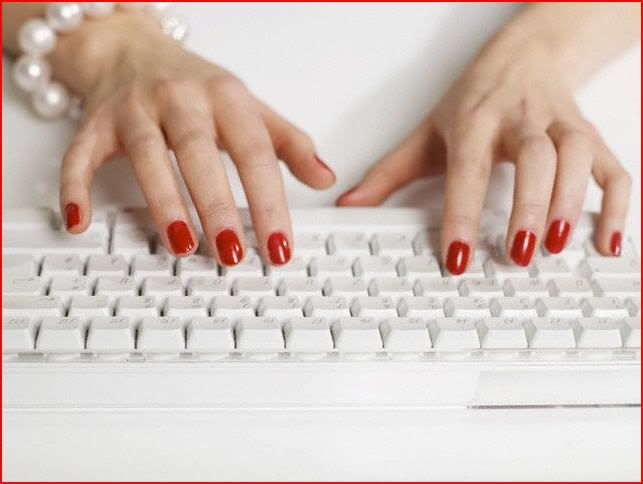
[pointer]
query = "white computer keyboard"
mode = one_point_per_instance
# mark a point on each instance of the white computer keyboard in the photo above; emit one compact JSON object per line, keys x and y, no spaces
{"x":364,"y":314}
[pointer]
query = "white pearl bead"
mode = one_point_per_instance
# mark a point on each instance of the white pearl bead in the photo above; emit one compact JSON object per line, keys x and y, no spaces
{"x":175,"y":26}
{"x":36,"y":37}
{"x":51,"y":100}
{"x":158,"y":9}
{"x":31,"y":72}
{"x":97,"y":9}
{"x":64,"y":17}
{"x":75,"y":110}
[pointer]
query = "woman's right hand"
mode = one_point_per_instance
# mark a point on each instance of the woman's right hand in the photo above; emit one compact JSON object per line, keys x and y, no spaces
{"x":145,"y":94}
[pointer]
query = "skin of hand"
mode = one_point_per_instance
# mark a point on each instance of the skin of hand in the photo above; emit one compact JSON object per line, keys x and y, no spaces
{"x":145,"y":94}
{"x":514,"y":102}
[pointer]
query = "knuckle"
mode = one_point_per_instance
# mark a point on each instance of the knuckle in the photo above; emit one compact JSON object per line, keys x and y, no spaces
{"x":194,"y":140}
{"x":143,"y":142}
{"x":132,"y":103}
{"x":256,"y":156}
{"x":537,"y":148}
{"x":225,"y":86}
{"x":530,"y":208}
{"x":302,"y":138}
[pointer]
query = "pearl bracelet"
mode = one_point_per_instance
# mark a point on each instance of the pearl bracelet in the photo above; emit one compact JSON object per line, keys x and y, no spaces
{"x":37,"y":38}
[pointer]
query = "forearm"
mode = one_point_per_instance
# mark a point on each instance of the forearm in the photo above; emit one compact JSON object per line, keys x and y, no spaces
{"x":578,"y":37}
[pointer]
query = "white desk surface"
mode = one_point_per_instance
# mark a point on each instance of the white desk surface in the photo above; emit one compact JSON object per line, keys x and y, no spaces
{"x":357,"y":77}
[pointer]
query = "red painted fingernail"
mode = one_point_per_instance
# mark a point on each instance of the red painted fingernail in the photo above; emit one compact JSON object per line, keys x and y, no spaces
{"x":457,"y":257}
{"x":72,"y":215}
{"x":278,"y":248}
{"x":319,"y":160}
{"x":180,"y":238}
{"x":523,"y":247}
{"x":229,"y":247}
{"x":615,"y":244}
{"x":557,"y":236}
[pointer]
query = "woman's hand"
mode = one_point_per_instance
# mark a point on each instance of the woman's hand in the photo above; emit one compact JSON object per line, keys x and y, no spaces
{"x":145,"y":94}
{"x":511,"y":104}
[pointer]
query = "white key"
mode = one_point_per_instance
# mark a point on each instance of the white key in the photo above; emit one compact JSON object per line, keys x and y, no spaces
{"x":34,"y":307}
{"x":210,"y":335}
{"x":633,"y":305}
{"x":110,"y":335}
{"x":128,"y":219}
{"x":18,"y":334}
{"x":61,"y":265}
{"x":162,"y":288}
{"x":424,"y":307}
{"x":300,"y":287}
{"x":617,"y":287}
{"x":88,"y":307}
{"x":61,"y":334}
{"x":348,"y":244}
{"x":151,"y":266}
{"x":418,"y":266}
{"x":369,"y":267}
{"x":19,"y":266}
{"x":331,"y":266}
{"x":196,"y":266}
{"x":185,"y":307}
{"x":260,"y":335}
{"x":130,"y":243}
{"x":575,"y":287}
{"x":357,"y":335}
{"x":232,"y":307}
{"x":330,"y":308}
{"x":39,"y":243}
{"x":280,"y":307}
{"x":474,"y":270}
{"x":160,"y":335}
{"x":208,"y":287}
{"x":633,"y":338}
{"x":393,"y":287}
{"x":505,"y":270}
{"x":29,"y":219}
{"x":295,"y":268}
{"x":502,"y":333}
{"x":348,"y":287}
{"x":22,"y":285}
{"x":604,"y":307}
{"x":558,"y":307}
{"x":137,"y":307}
{"x":427,"y":242}
{"x":65,"y":287}
{"x":531,"y":287}
{"x":440,"y":288}
{"x":466,"y":307}
{"x":513,"y":307}
{"x":394,"y":245}
{"x":548,"y":267}
{"x":600,"y":332}
{"x":309,"y":245}
{"x":614,"y":267}
{"x":484,"y":287}
{"x":574,"y":252}
{"x":552,"y":333}
{"x":107,"y":265}
{"x":250,"y":266}
{"x":377,"y":308}
{"x":253,"y":287}
{"x":308,"y":335}
{"x":113,"y":287}
{"x":405,"y":335}
{"x":454,"y":334}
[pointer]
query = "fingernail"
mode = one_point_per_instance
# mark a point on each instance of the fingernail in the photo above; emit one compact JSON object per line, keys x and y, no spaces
{"x":557,"y":236}
{"x":319,"y":160}
{"x":457,"y":257}
{"x":615,"y":244}
{"x":229,"y":247}
{"x":278,"y":248}
{"x":180,"y":238}
{"x":72,"y":215}
{"x":523,"y":247}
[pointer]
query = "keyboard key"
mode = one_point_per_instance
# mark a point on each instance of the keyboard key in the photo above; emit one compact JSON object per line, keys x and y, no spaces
{"x":440,"y":288}
{"x":633,"y":305}
{"x":29,"y":219}
{"x":185,"y":307}
{"x":137,"y":307}
{"x":513,"y":307}
{"x":28,"y":286}
{"x":549,"y":267}
{"x":40,"y":243}
{"x":297,"y":267}
{"x":531,"y":287}
{"x":392,"y":244}
{"x":18,"y":334}
{"x":232,"y":307}
{"x":111,"y":335}
{"x":417,"y":266}
{"x":484,"y":287}
{"x":152,"y":266}
{"x":427,"y":242}
{"x":61,"y":335}
{"x":357,"y":335}
{"x":19,"y":266}
{"x":617,"y":287}
{"x":330,"y":308}
{"x":210,"y":335}
{"x":309,"y":245}
{"x":423,"y":307}
{"x":466,"y":307}
{"x":300,"y":287}
{"x":558,"y":307}
{"x":348,"y":244}
{"x":250,"y":266}
{"x":253,"y":287}
{"x":604,"y":307}
{"x":88,"y":307}
{"x":599,"y":332}
{"x":130,"y":243}
{"x":502,"y":333}
{"x":196,"y":266}
{"x":454,"y":334}
{"x":393,"y":287}
{"x":280,"y":307}
{"x":61,"y":265}
{"x":405,"y":335}
{"x":331,"y":266}
{"x":348,"y":287}
{"x":208,"y":287}
{"x":34,"y":307}
{"x":377,"y":308}
{"x":160,"y":335}
{"x":575,"y":287}
{"x":505,"y":270}
{"x":261,"y":335}
{"x":369,"y":267}
{"x":113,"y":287}
{"x":65,"y":287}
{"x":308,"y":335}
{"x":610,"y":267}
{"x":107,"y":265}
{"x":633,"y":338}
{"x":162,"y":288}
{"x":552,"y":333}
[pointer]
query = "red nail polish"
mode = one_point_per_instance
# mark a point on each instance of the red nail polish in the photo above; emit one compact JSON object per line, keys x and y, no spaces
{"x":180,"y":238}
{"x":557,"y":236}
{"x":457,"y":257}
{"x":615,"y":244}
{"x":523,"y":247}
{"x":72,"y":215}
{"x":229,"y":247}
{"x":278,"y":248}
{"x":319,"y":160}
